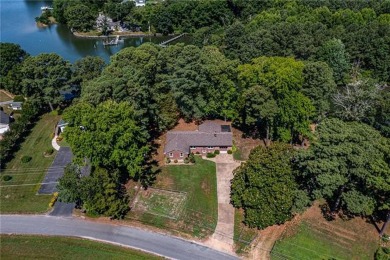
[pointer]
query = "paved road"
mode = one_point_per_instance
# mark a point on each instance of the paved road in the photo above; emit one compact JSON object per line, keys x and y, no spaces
{"x":164,"y":245}
{"x":56,"y":170}
{"x":5,"y":103}
{"x":62,"y":209}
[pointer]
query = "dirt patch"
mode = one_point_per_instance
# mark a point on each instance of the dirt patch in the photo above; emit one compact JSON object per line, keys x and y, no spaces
{"x":245,"y":144}
{"x":160,"y":202}
{"x":206,"y":187}
{"x":10,"y":95}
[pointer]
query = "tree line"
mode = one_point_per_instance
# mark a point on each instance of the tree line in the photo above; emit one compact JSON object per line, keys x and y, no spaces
{"x":124,"y":106}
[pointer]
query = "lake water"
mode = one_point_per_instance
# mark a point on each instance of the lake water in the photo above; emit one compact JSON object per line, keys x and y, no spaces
{"x":17,"y":25}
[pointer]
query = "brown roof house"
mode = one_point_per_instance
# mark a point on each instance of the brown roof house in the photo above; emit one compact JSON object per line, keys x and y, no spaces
{"x":209,"y":137}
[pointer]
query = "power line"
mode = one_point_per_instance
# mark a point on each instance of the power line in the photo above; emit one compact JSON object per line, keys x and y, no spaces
{"x":29,"y":184}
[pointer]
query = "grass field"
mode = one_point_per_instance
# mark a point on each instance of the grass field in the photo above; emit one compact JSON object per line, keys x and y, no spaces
{"x":198,"y":215}
{"x":243,"y":235}
{"x":316,"y":238}
{"x":44,"y":247}
{"x":23,"y":199}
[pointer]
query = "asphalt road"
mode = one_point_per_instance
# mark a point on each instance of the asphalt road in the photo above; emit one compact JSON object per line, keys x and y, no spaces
{"x":62,"y":209}
{"x":164,"y":245}
{"x":56,"y":170}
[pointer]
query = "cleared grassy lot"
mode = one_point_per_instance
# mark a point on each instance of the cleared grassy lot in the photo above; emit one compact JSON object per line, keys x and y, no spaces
{"x":46,"y":247}
{"x":18,"y":195}
{"x":316,"y":238}
{"x":196,"y":185}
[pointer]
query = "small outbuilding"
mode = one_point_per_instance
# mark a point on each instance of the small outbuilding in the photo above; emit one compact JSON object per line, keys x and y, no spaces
{"x":15,"y":105}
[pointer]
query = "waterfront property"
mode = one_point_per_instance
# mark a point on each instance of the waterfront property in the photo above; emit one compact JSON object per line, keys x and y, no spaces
{"x":209,"y":137}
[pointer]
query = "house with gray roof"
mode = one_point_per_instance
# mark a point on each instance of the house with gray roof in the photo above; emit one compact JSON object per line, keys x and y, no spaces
{"x":209,"y":137}
{"x":15,"y":105}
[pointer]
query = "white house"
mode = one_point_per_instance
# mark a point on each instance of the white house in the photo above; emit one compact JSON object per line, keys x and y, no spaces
{"x":4,"y":122}
{"x":139,"y":3}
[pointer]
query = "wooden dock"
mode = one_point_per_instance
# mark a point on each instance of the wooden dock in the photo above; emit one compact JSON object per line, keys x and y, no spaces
{"x":164,"y":43}
{"x":112,"y":42}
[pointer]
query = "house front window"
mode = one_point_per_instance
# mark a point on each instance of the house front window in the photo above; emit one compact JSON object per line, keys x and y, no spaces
{"x":181,"y":154}
{"x":170,"y":154}
{"x":192,"y":147}
{"x":210,"y":147}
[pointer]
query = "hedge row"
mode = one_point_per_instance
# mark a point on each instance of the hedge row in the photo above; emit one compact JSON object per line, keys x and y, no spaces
{"x":18,"y":130}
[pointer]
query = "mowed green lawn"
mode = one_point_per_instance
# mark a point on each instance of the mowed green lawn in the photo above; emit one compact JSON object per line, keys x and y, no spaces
{"x":17,"y":195}
{"x":46,"y":247}
{"x":243,"y":235}
{"x":199,"y":213}
{"x":317,"y":241}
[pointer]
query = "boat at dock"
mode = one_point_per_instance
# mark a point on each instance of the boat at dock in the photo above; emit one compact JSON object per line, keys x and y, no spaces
{"x":46,"y":8}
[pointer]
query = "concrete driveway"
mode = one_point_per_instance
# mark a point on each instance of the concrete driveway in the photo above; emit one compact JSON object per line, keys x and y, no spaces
{"x":222,"y":239}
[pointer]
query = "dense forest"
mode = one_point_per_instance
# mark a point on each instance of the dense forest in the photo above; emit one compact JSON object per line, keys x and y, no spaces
{"x":273,"y":68}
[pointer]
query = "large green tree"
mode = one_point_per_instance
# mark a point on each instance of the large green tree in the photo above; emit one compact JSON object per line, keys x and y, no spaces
{"x":108,"y":135}
{"x":44,"y":76}
{"x":80,"y":17}
{"x":11,"y":58}
{"x":86,"y":69}
{"x":319,"y":86}
{"x":101,"y":193}
{"x":348,"y":165}
{"x":283,"y":78}
{"x":333,"y":52}
{"x":264,"y":186}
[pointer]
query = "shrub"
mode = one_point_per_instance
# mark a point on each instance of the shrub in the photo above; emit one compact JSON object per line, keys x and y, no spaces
{"x":229,"y":151}
{"x":216,"y":152}
{"x":186,"y":160}
{"x":59,"y":138}
{"x":175,"y":161}
{"x":197,"y":153}
{"x":386,"y":238}
{"x":167,"y":160}
{"x":383,"y":253}
{"x":18,"y":98}
{"x":26,"y":159}
{"x":7,"y":178}
{"x":53,"y":199}
{"x":192,"y":158}
{"x":49,"y":151}
{"x":210,"y":155}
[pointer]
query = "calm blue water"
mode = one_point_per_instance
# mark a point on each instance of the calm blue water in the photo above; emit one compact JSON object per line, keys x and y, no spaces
{"x":17,"y":25}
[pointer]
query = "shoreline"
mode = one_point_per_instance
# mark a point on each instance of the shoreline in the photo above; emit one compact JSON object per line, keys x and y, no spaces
{"x":129,"y":34}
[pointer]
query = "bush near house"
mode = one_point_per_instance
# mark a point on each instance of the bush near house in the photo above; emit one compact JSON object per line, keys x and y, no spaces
{"x":216,"y":152}
{"x":210,"y":155}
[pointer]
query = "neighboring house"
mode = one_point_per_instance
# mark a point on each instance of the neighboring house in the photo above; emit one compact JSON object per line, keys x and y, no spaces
{"x":209,"y":137}
{"x":61,"y":127}
{"x":4,"y":122}
{"x":15,"y":105}
{"x":139,"y":3}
